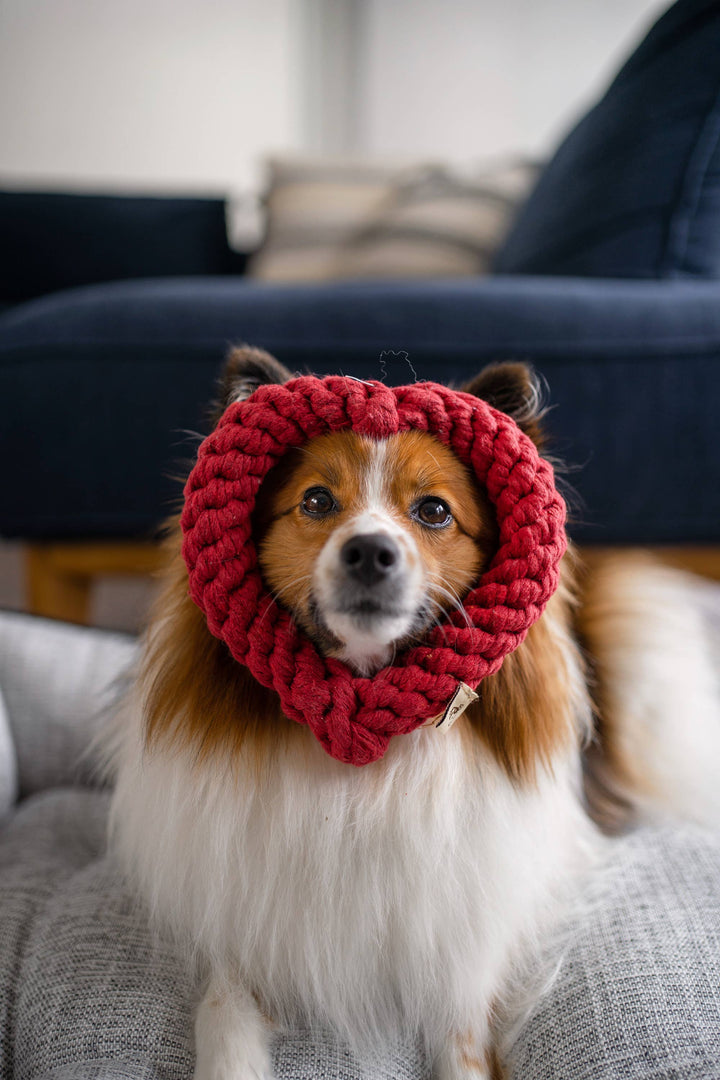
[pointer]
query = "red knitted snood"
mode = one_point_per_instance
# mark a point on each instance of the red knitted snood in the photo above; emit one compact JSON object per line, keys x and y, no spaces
{"x":354,"y":718}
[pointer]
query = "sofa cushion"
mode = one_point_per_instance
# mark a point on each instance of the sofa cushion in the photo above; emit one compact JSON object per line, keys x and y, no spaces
{"x":636,"y":993}
{"x":103,"y":388}
{"x":8,"y":761}
{"x":634,"y":190}
{"x":58,"y":683}
{"x":339,"y":221}
{"x":87,"y":993}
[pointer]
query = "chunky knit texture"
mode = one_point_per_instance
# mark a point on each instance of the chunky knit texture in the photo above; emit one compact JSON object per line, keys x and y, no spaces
{"x":354,"y":718}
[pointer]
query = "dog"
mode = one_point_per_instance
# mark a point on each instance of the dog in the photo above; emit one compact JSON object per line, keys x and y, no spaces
{"x":410,"y":896}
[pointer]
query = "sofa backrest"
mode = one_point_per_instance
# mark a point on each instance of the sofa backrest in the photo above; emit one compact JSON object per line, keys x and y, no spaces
{"x":54,"y":241}
{"x":634,"y":189}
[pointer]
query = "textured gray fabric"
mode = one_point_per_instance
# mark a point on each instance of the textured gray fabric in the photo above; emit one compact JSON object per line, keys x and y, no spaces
{"x":57,"y":681}
{"x":304,"y":1055}
{"x":44,"y":844}
{"x":93,"y":986}
{"x":103,"y":1070}
{"x":638,"y":994}
{"x":8,"y":762}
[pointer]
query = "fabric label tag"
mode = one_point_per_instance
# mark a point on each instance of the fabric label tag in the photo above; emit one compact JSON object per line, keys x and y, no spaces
{"x":456,"y":706}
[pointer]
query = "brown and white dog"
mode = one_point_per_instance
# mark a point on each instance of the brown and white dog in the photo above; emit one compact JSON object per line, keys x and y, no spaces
{"x":407,"y":896}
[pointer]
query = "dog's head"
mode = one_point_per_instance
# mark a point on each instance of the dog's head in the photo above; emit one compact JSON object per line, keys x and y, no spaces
{"x":367,"y":543}
{"x":370,"y":542}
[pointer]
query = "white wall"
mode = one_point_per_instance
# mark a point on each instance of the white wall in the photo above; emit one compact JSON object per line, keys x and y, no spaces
{"x":464,"y":78}
{"x":171,"y":94}
{"x":189,"y":95}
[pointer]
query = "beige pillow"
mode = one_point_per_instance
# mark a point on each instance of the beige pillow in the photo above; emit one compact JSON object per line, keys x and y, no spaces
{"x":337,"y":220}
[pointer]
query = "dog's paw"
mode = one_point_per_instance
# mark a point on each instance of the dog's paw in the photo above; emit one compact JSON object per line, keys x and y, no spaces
{"x":466,"y":1058}
{"x":231,"y":1038}
{"x":244,"y":1067}
{"x":246,"y":1063}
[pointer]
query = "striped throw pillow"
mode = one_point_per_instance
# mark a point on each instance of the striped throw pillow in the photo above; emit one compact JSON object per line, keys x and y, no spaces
{"x":334,"y":220}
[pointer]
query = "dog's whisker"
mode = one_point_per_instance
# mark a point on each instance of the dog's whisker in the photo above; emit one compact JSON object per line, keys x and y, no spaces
{"x":432,"y":621}
{"x":275,"y":594}
{"x":445,"y":589}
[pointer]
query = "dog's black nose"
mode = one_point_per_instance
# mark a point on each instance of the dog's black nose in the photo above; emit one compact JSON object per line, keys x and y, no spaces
{"x":371,"y":558}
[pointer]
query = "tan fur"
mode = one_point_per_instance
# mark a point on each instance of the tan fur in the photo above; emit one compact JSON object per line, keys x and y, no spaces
{"x":609,"y":623}
{"x":291,"y":542}
{"x":608,"y":772}
{"x":513,"y":388}
{"x":418,"y":465}
{"x":480,"y":1062}
{"x":523,"y":710}
{"x":496,"y":1070}
{"x":194,"y":692}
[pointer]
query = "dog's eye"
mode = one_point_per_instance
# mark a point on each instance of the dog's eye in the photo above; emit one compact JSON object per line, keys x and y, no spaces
{"x":317,"y":502}
{"x":432,"y":511}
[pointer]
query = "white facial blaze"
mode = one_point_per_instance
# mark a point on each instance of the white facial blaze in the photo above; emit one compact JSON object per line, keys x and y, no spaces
{"x":367,"y":642}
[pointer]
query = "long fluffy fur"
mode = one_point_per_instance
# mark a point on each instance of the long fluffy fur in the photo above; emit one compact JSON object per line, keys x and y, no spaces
{"x":655,"y":685}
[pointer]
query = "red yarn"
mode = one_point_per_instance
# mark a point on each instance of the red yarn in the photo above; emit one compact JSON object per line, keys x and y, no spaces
{"x":354,"y":718}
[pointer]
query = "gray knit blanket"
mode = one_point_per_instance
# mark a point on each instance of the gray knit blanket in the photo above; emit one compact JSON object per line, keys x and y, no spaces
{"x":86,"y":993}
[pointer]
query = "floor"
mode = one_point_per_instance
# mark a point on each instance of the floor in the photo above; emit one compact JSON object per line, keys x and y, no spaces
{"x":118,"y":603}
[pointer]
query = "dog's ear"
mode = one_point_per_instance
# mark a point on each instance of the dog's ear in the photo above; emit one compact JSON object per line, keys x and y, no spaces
{"x":245,"y":369}
{"x":515,"y":389}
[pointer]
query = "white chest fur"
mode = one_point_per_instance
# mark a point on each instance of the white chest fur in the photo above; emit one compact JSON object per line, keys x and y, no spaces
{"x":392,"y":896}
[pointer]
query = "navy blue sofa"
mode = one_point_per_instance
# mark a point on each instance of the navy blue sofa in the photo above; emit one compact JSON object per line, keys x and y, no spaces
{"x":609,"y":284}
{"x":101,"y":387}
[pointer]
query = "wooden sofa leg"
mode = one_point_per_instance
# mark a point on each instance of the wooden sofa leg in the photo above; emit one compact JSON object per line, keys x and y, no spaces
{"x":60,"y":575}
{"x":54,"y":590}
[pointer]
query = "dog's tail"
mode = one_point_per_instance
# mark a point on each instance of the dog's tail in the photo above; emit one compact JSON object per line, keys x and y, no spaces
{"x":654,"y":656}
